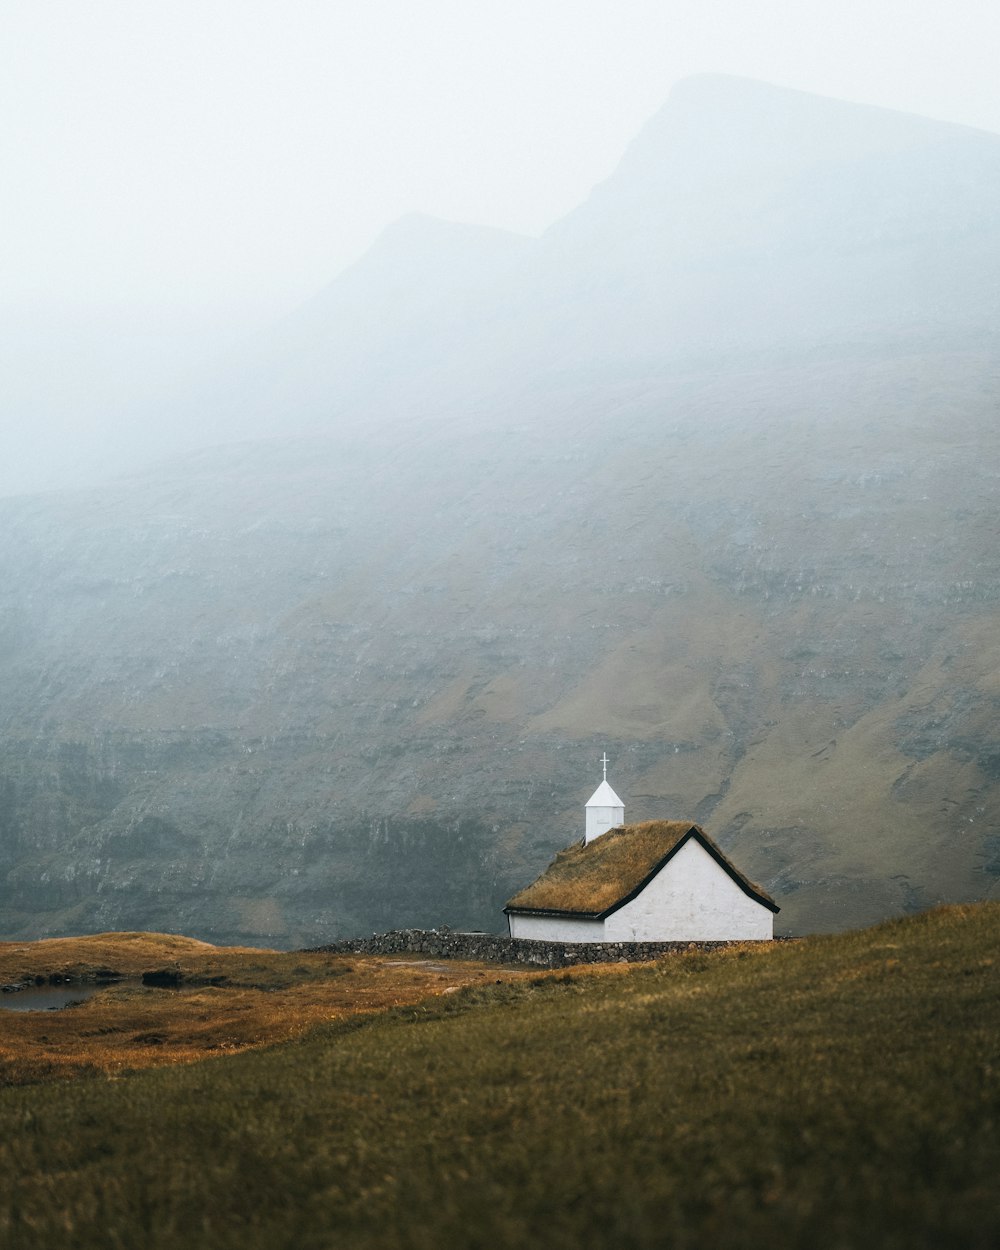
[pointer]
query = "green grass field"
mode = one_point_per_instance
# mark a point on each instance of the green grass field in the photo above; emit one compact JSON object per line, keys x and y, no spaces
{"x":837,"y":1092}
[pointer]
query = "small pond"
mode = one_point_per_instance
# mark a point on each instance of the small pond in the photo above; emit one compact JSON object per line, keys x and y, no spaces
{"x":47,"y":997}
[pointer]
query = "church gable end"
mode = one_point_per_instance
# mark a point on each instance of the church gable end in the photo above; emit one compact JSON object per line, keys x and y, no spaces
{"x":695,"y":896}
{"x":594,"y":880}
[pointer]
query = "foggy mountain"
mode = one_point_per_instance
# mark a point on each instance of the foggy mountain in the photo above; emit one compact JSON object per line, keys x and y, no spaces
{"x":705,"y":476}
{"x":744,"y":223}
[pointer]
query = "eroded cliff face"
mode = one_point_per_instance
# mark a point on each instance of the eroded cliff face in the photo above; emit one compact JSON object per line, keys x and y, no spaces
{"x":308,"y":690}
{"x":722,"y":503}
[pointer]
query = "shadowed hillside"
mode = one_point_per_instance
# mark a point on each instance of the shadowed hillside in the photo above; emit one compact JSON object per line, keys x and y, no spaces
{"x":706,"y":476}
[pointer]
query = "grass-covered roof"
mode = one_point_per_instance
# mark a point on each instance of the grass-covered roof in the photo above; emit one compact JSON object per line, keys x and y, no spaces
{"x":596,"y":878}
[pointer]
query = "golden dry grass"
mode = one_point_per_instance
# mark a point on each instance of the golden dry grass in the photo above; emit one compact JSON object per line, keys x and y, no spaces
{"x":591,"y":878}
{"x":129,"y":954}
{"x":263,"y":997}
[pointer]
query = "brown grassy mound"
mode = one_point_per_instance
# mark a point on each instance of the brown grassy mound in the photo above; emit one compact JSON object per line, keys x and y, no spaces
{"x":127,"y":954}
{"x":591,"y":878}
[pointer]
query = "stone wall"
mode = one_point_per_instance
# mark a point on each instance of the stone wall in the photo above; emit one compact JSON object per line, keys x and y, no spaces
{"x":445,"y":943}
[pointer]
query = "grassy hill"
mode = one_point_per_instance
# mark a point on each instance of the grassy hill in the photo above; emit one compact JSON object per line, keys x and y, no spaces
{"x":833,"y":1092}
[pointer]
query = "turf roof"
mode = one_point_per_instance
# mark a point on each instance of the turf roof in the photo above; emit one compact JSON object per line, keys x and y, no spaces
{"x":596,"y":878}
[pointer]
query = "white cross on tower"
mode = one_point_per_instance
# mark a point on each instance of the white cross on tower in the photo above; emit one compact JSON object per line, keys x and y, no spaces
{"x":604,"y":761}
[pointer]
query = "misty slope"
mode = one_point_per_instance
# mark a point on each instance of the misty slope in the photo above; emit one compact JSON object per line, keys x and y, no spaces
{"x":371,"y":334}
{"x":744,"y":224}
{"x":706,"y":476}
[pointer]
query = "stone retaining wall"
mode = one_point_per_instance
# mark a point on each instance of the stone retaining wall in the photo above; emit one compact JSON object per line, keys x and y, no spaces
{"x":494,"y":948}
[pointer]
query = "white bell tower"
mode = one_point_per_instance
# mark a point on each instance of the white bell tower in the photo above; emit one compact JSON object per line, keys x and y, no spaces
{"x":605,"y":810}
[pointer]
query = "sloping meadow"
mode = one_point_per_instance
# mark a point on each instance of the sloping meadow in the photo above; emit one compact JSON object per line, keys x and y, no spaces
{"x":829,"y":1092}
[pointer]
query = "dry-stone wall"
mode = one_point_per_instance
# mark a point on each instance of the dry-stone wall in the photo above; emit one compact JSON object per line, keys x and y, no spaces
{"x":447,"y":944}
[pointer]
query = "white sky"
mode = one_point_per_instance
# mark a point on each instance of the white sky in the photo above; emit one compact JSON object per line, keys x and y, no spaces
{"x":196,"y":166}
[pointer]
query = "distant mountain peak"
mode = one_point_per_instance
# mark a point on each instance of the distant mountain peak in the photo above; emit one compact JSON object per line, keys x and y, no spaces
{"x":716,"y":125}
{"x":416,"y":252}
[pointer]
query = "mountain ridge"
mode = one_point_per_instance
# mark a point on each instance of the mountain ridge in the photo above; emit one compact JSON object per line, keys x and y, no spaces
{"x":730,"y":519}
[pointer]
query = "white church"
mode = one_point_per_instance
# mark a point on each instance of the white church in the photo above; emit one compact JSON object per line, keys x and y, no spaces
{"x":659,"y":881}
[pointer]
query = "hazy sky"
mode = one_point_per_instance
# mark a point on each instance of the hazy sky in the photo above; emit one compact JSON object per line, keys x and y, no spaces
{"x":187,"y":168}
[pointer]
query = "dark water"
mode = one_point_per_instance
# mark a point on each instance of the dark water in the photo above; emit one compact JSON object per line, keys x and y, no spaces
{"x":47,"y":997}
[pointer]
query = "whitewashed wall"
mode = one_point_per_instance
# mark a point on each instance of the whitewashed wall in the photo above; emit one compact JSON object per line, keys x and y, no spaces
{"x":601,"y":819}
{"x":691,"y":900}
{"x":552,"y":929}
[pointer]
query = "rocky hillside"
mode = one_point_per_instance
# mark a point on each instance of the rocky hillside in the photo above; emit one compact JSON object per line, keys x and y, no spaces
{"x":706,"y":476}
